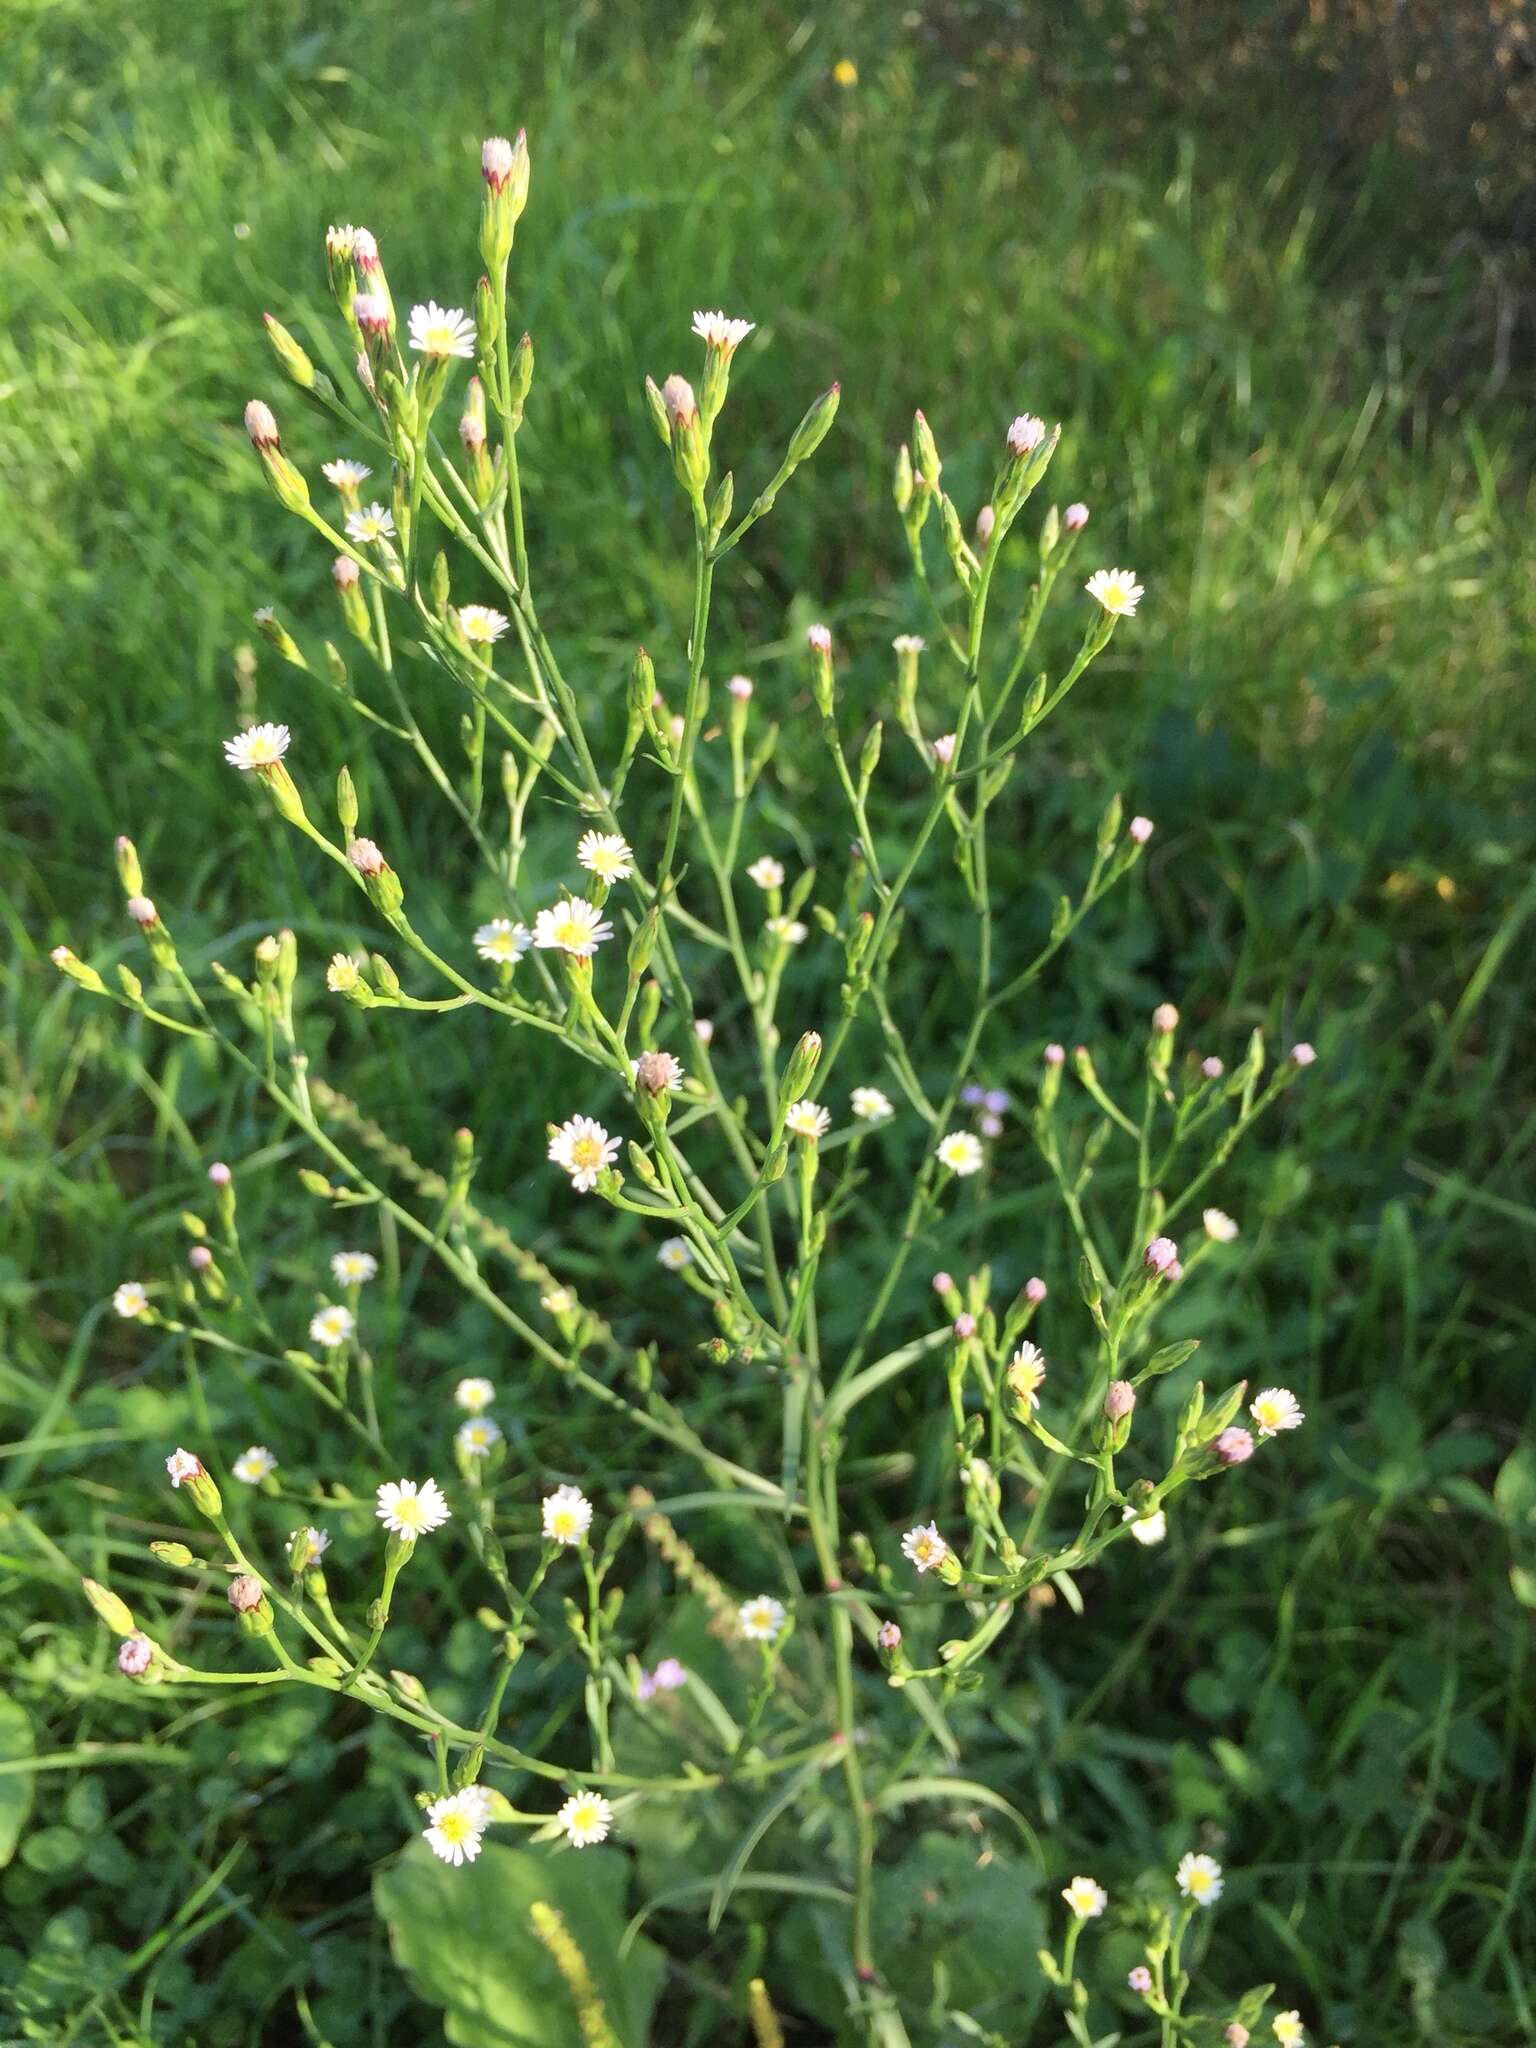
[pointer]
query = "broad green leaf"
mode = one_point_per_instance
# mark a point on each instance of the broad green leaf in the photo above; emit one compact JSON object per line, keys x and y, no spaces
{"x":464,"y":1939}
{"x":15,"y":1786}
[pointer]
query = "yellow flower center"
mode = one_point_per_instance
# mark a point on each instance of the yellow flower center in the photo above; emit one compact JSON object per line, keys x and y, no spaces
{"x":586,"y":1152}
{"x":455,"y":1827}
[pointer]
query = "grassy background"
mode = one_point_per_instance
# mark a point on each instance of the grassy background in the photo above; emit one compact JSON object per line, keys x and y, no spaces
{"x":1270,"y":399}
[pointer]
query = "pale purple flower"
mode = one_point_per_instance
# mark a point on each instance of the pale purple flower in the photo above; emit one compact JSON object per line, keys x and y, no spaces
{"x":134,"y":1655}
{"x":1141,"y":830}
{"x":1234,"y":1446}
{"x":1035,"y":1290}
{"x":1025,"y":434}
{"x":1075,"y":518}
{"x":1161,"y":1255}
{"x":1303,"y":1055}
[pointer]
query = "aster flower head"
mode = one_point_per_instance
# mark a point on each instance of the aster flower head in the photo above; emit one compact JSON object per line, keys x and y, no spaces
{"x":345,"y":572}
{"x":807,"y":1119}
{"x":1075,"y":518}
{"x":135,"y":1654}
{"x":1289,"y":2031}
{"x":306,"y":1547}
{"x":1303,"y":1055}
{"x":716,"y":331}
{"x":573,"y":926}
{"x":441,"y":331}
{"x":1035,"y":1289}
{"x":502,"y":941}
{"x":456,"y":1826}
{"x":253,"y":1465}
{"x":1219,"y":1226}
{"x":871,"y":1105}
{"x":961,"y":1152}
{"x":767,"y":872}
{"x":889,"y":1637}
{"x":1199,"y":1878}
{"x":944,"y":748}
{"x":584,"y":1149}
{"x":586,"y":1818}
{"x":1165,"y":1018}
{"x":219,"y":1174}
{"x":909,"y":643}
{"x":261,"y":425}
{"x":344,"y":474}
{"x":1147,"y":1529}
{"x":1139,"y":1979}
{"x":184,"y":1465}
{"x":1025,"y":434}
{"x":373,"y":523}
{"x":259,"y":746}
{"x":1116,"y":590}
{"x":474,"y":1395}
{"x":674,"y":1254}
{"x":657,"y":1073}
{"x":1234,"y":1446}
{"x":559,"y":1301}
{"x":789,"y":931}
{"x":411,"y":1509}
{"x":740,"y":688}
{"x":924,"y":1548}
{"x":1141,"y":830}
{"x":371,"y":312}
{"x":567,"y":1515}
{"x":1274,"y":1410}
{"x":1026,"y":1373}
{"x":669,"y":1676}
{"x":1086,"y":1899}
{"x":1212,"y":1067}
{"x":365,"y":248}
{"x":819,"y":639}
{"x":353,"y":1269}
{"x":481,"y":624}
{"x":130,"y":1299}
{"x":682,"y":407}
{"x":761,"y":1618}
{"x":142,"y":911}
{"x":199,"y":1258}
{"x":332,"y":1325}
{"x":477,"y":1437}
{"x":1054,"y":1055}
{"x":365,"y":857}
{"x":1161,"y":1255}
{"x":1236,"y":2035}
{"x":608,"y":855}
{"x":495,"y":161}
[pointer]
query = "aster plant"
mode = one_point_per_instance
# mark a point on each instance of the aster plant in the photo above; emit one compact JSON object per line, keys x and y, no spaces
{"x":1053,"y":1467}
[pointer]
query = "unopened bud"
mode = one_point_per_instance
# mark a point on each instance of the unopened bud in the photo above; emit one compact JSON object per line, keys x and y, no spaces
{"x":112,"y":1610}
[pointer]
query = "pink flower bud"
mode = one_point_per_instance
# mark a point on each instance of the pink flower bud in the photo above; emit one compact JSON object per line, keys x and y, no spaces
{"x":740,"y":688}
{"x":142,"y":911}
{"x":991,"y":1126}
{"x":1212,"y":1068}
{"x":199,"y":1258}
{"x":1237,"y":2035}
{"x":1025,"y":434}
{"x":943,"y":1282}
{"x":889,"y":1637}
{"x":366,"y":857}
{"x":472,"y":432}
{"x":703,"y":1030}
{"x":944,"y":748}
{"x":1161,"y":1255}
{"x":345,"y":572}
{"x":965,"y":1324}
{"x":1165,"y":1018}
{"x":1302,"y":1055}
{"x":1035,"y":1290}
{"x":245,"y":1594}
{"x":819,"y":639}
{"x":677,"y":396}
{"x":1140,"y":830}
{"x":1234,"y":1446}
{"x":1119,"y":1400}
{"x":1140,"y":1979}
{"x":1054,"y":1055}
{"x":495,"y":161}
{"x":986,"y":522}
{"x":365,"y":250}
{"x":261,"y":425}
{"x":220,"y":1174}
{"x":1075,"y":518}
{"x":134,"y":1655}
{"x":371,"y":312}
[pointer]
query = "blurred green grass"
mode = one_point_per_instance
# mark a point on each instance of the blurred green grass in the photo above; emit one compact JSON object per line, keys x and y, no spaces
{"x":1325,"y":706}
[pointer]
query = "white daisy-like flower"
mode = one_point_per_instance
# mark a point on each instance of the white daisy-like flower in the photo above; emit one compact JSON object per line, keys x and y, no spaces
{"x":572,"y":926}
{"x":1275,"y":1409}
{"x":567,"y":1515}
{"x":502,"y":941}
{"x":306,"y":1547}
{"x":480,"y":624}
{"x":259,"y":746}
{"x":254,"y":1465}
{"x":761,"y":1618}
{"x":1219,"y":1226}
{"x":583,"y":1148}
{"x":1026,"y":1373}
{"x":474,"y":1395}
{"x":1117,"y":590}
{"x":1289,"y":2031}
{"x":716,"y":331}
{"x":767,"y":872}
{"x":182,"y":1465}
{"x":456,"y":1825}
{"x":807,"y":1119}
{"x":789,"y":931}
{"x":1199,"y":1878}
{"x":130,"y":1299}
{"x":374,"y":522}
{"x":944,"y":748}
{"x":332,"y":1325}
{"x":346,"y":476}
{"x":924,"y":1547}
{"x":408,"y":1509}
{"x":441,"y":330}
{"x":674,"y":1254}
{"x":1147,"y":1529}
{"x":1086,"y":1898}
{"x":909,"y":643}
{"x":476,"y":1437}
{"x":608,"y":855}
{"x":558,"y":1302}
{"x":353,"y":1269}
{"x":871,"y":1105}
{"x":961,"y":1152}
{"x":586,"y":1818}
{"x":1025,"y":434}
